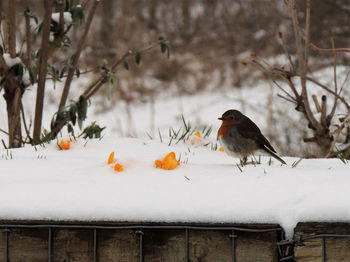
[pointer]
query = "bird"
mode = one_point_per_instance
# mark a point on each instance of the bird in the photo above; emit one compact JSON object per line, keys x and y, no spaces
{"x":240,"y":137}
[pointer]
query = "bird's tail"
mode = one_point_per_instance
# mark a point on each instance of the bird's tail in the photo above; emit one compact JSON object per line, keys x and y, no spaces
{"x":274,"y":155}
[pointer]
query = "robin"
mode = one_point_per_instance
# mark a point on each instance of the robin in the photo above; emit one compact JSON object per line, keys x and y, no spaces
{"x":240,"y":136}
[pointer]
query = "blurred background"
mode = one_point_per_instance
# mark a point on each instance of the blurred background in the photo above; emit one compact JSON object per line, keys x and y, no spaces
{"x":207,"y":72}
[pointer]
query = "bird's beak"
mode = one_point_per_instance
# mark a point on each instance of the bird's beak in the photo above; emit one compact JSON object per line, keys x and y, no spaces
{"x":220,"y":118}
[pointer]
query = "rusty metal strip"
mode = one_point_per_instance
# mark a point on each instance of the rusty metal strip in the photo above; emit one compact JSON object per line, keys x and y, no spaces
{"x":187,"y":249}
{"x":253,"y":230}
{"x":324,"y":258}
{"x":233,"y":236}
{"x":140,"y":233}
{"x":6,"y":235}
{"x":95,"y":245}
{"x":49,"y":245}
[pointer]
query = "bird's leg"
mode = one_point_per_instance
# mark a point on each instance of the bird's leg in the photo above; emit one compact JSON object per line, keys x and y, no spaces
{"x":244,"y":161}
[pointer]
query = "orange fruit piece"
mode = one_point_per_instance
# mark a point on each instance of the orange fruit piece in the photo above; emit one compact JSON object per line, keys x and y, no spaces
{"x":111,"y":158}
{"x":118,"y":167}
{"x":158,"y":163}
{"x":221,"y":149}
{"x":64,"y":144}
{"x":198,"y":134}
{"x":169,"y":162}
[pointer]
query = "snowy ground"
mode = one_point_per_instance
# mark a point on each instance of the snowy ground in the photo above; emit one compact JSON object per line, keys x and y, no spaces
{"x":78,"y":184}
{"x":207,"y":187}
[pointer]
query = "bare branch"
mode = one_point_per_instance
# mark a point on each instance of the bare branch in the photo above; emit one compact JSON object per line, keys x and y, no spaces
{"x":317,"y":105}
{"x":60,"y":9}
{"x":286,"y":98}
{"x":307,"y":31}
{"x":338,"y":132}
{"x":329,"y":51}
{"x":329,"y":90}
{"x":335,"y":79}
{"x":3,"y":63}
{"x":12,"y":28}
{"x":286,"y":51}
{"x":98,"y":83}
{"x":302,"y":62}
{"x":284,"y":91}
{"x":324,"y":111}
{"x":42,"y":71}
{"x":25,"y":125}
{"x":28,"y":61}
{"x":77,"y":55}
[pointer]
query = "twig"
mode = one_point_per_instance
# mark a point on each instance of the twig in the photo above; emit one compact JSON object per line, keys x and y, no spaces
{"x":95,"y":86}
{"x":60,"y":9}
{"x":329,"y":90}
{"x":3,"y":143}
{"x":92,"y":90}
{"x":317,"y":105}
{"x":42,"y":71}
{"x":12,"y":28}
{"x":338,"y":132}
{"x":302,"y":61}
{"x":345,"y":80}
{"x":2,"y":130}
{"x":335,"y":79}
{"x":25,"y":125}
{"x":307,"y":31}
{"x":3,"y":63}
{"x":77,"y":55}
{"x":286,"y":98}
{"x":284,"y":91}
{"x":286,"y":51}
{"x":81,"y":73}
{"x":329,"y":51}
{"x":28,"y":61}
{"x":324,"y":111}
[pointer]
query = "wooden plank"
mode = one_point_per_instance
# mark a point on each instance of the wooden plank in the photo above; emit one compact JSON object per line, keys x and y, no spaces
{"x":256,"y":246}
{"x":158,"y":244}
{"x":25,"y":245}
{"x":164,"y":245}
{"x":2,"y":245}
{"x":206,"y":246}
{"x":337,"y":249}
{"x":72,"y":245}
{"x":117,"y":245}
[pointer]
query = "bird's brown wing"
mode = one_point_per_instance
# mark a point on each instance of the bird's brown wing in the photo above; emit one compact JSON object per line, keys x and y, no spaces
{"x":248,"y":129}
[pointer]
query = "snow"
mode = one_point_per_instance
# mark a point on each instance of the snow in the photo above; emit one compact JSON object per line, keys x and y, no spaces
{"x":67,"y":17}
{"x":10,"y":62}
{"x":26,"y":78}
{"x":208,"y":187}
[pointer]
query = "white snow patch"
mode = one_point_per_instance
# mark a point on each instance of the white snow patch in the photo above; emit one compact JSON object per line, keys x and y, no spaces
{"x":10,"y":62}
{"x":67,"y":17}
{"x":259,"y":34}
{"x":77,"y":184}
{"x":26,"y":78}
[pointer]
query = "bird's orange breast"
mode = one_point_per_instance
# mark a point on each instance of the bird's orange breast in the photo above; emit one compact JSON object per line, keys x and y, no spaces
{"x":226,"y":127}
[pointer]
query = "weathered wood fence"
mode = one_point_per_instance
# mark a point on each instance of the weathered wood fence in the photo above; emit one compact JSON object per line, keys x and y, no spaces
{"x":47,"y":241}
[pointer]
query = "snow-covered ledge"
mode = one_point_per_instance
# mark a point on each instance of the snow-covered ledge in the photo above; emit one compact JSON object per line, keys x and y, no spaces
{"x":207,"y":187}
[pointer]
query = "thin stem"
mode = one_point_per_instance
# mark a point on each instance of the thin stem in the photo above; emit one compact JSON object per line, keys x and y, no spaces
{"x":302,"y":62}
{"x":77,"y":55}
{"x":329,"y":90}
{"x":42,"y":71}
{"x":25,"y":125}
{"x":335,"y":80}
{"x":12,"y":28}
{"x":28,"y":35}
